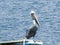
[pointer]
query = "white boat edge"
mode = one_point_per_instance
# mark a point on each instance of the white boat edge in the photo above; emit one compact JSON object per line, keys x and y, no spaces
{"x":22,"y":40}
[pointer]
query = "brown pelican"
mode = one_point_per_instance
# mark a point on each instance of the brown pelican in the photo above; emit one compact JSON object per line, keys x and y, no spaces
{"x":33,"y":29}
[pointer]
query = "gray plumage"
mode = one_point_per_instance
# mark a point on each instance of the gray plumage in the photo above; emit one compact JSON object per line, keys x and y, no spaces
{"x":32,"y":31}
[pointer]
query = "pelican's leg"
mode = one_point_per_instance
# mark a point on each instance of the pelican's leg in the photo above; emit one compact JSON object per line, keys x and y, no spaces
{"x":33,"y":38}
{"x":26,"y":32}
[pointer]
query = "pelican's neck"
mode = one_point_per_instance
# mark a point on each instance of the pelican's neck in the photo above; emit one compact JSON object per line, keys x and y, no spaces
{"x":34,"y":22}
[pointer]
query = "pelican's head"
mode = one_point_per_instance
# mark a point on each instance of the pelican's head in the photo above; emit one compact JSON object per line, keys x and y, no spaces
{"x":34,"y":17}
{"x":32,"y":13}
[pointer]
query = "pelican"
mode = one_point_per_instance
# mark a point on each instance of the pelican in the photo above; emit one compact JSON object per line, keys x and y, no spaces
{"x":33,"y":29}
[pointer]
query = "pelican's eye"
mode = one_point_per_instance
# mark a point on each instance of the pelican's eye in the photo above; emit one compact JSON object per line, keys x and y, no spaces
{"x":32,"y":13}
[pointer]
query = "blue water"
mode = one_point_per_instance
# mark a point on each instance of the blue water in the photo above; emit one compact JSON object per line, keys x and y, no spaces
{"x":15,"y":20}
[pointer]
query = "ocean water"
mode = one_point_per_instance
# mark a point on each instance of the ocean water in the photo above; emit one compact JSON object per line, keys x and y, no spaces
{"x":15,"y":20}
